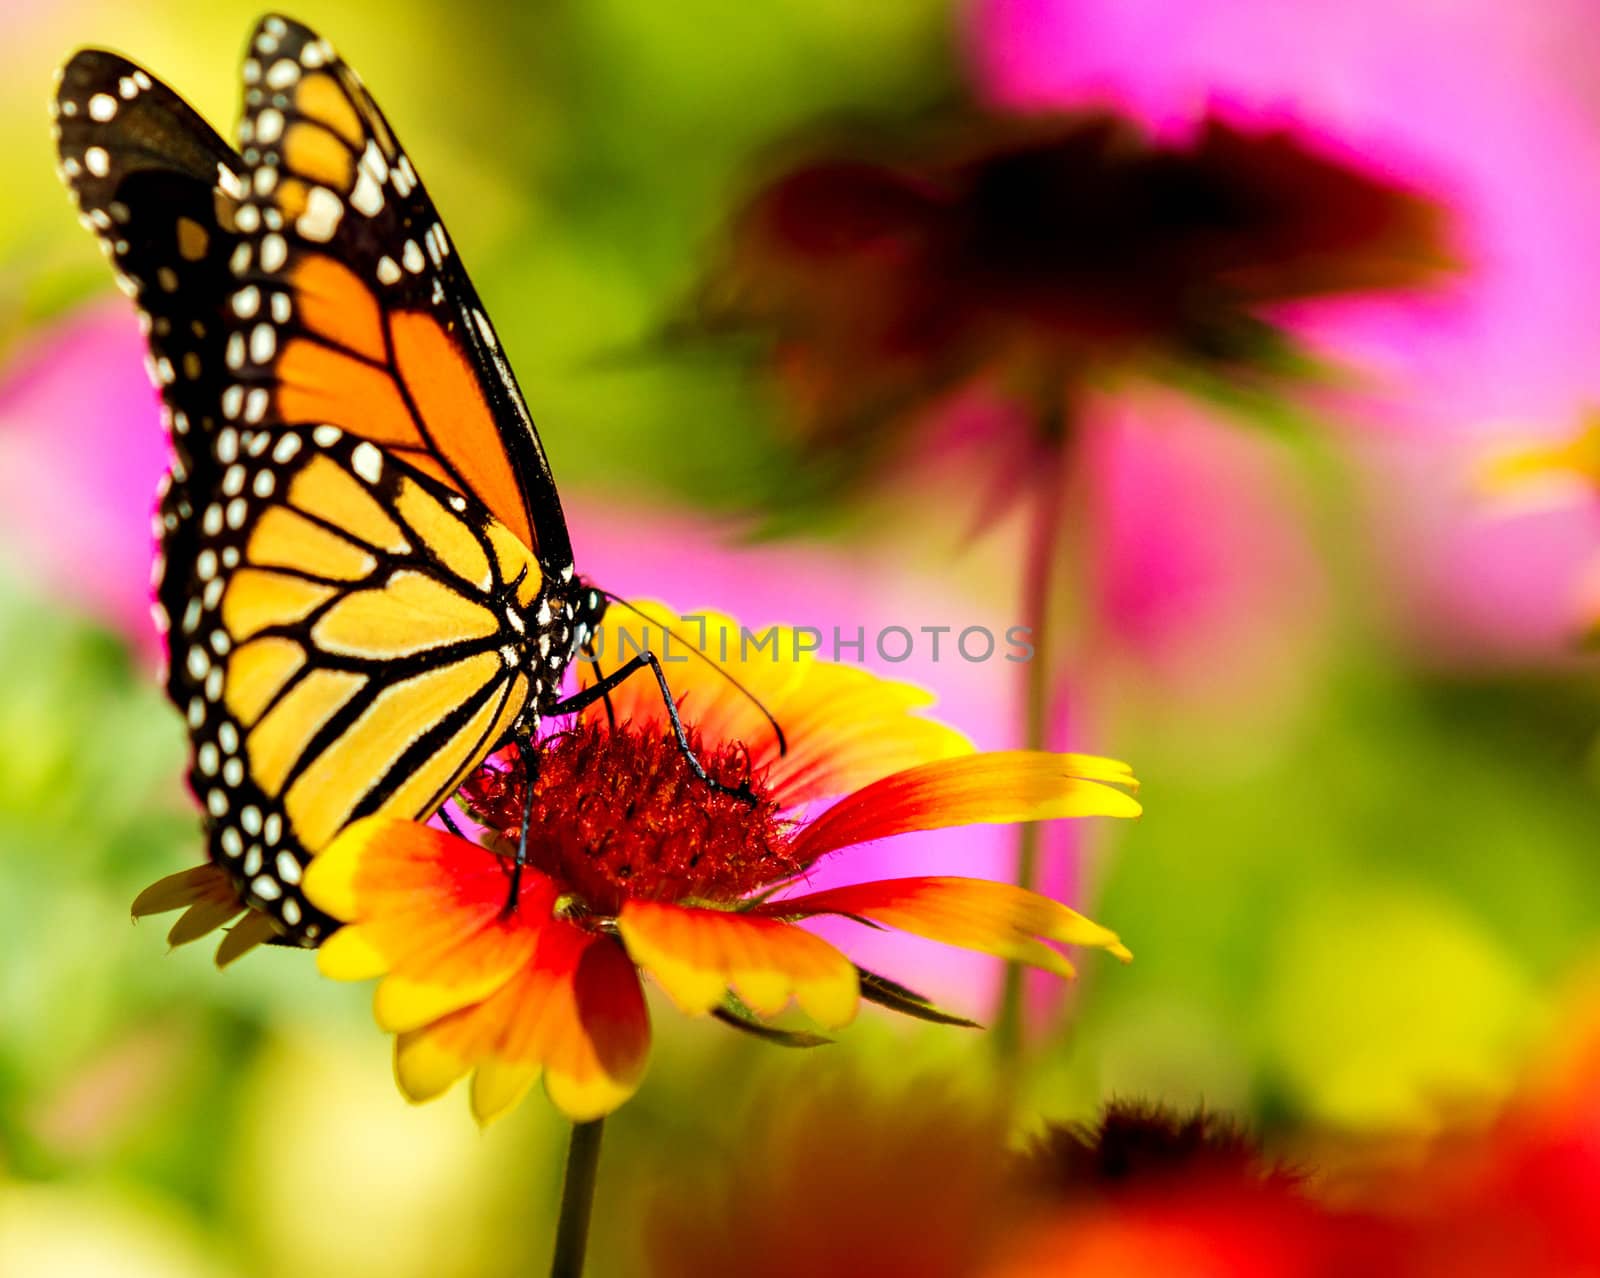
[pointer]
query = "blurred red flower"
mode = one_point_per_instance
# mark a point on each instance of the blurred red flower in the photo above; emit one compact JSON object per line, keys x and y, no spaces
{"x":1042,"y":254}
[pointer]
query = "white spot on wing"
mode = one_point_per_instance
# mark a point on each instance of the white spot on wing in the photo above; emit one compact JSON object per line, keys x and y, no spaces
{"x":367,"y":197}
{"x":482,"y":321}
{"x":321,"y":217}
{"x":269,"y":126}
{"x":367,"y":462}
{"x":274,"y":252}
{"x":373,"y":162}
{"x":263,"y":342}
{"x":282,"y":73}
{"x":405,"y":177}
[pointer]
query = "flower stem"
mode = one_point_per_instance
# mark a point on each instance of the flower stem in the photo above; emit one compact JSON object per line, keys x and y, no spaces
{"x":577,"y":1199}
{"x":1037,"y":579}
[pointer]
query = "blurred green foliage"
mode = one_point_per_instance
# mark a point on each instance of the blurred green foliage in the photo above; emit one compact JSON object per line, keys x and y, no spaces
{"x":1370,"y":921}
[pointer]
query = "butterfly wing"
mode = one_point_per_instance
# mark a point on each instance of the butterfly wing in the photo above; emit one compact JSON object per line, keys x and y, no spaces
{"x":352,"y":307}
{"x":346,"y":633}
{"x":351,"y":644}
{"x":159,"y":190}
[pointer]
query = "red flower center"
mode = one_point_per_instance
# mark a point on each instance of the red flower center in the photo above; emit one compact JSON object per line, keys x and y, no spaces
{"x":619,"y":814}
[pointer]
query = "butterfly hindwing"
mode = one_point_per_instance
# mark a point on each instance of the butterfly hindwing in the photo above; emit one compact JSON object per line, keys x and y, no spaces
{"x":352,"y":643}
{"x":352,"y":307}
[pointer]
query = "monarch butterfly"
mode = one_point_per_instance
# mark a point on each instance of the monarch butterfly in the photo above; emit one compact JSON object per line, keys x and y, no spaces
{"x":365,"y":578}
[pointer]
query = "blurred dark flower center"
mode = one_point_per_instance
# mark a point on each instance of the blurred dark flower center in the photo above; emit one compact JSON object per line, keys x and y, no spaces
{"x":619,"y":814}
{"x":886,"y":268}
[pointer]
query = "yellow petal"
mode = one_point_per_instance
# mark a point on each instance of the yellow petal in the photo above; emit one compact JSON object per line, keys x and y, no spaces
{"x":843,"y":726}
{"x":574,"y":1014}
{"x":428,"y":984}
{"x":977,"y":789}
{"x":348,"y":955}
{"x":597,"y":1040}
{"x":497,"y":1086}
{"x":698,"y":955}
{"x":428,"y":911}
{"x":974,"y":914}
{"x":426,"y":1065}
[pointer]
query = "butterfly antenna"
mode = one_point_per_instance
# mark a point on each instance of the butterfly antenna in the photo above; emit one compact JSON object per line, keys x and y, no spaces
{"x":777,"y":728}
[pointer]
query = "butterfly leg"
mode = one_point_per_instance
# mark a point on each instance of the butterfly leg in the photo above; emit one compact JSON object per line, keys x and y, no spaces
{"x":593,"y":659}
{"x":530,"y":774}
{"x":601,"y":688}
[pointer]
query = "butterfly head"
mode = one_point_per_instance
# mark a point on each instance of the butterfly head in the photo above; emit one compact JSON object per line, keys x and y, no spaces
{"x":588,"y":608}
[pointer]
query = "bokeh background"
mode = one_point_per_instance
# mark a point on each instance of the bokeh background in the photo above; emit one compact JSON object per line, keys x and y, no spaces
{"x":1349,"y":676}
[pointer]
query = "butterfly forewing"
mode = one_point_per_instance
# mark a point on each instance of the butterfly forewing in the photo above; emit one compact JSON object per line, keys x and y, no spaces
{"x":349,"y":646}
{"x":158,"y":188}
{"x":352,"y":307}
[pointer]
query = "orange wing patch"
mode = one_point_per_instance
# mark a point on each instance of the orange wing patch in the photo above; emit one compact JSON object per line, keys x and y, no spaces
{"x":427,"y":404}
{"x":322,"y":485}
{"x":321,"y":799}
{"x":445,"y":772}
{"x":285,"y":539}
{"x":350,"y":311}
{"x":257,"y":599}
{"x":334,"y":304}
{"x":445,"y":392}
{"x":257,"y":672}
{"x":410,"y":614}
{"x":319,"y":384}
{"x":317,"y":155}
{"x":278,"y":741}
{"x":321,"y":98}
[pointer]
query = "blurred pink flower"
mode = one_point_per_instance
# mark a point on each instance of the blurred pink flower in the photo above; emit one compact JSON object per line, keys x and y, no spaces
{"x":81,"y":451}
{"x":1489,"y":107}
{"x":1207,"y":581}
